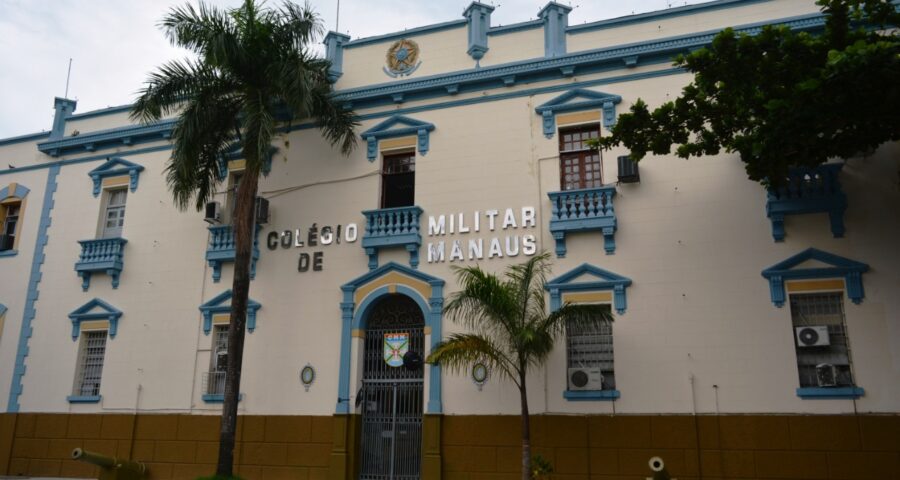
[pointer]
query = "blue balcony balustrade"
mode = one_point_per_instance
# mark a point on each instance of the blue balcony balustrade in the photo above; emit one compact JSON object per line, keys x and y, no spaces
{"x":103,"y":255}
{"x":221,"y":249}
{"x":808,"y":190}
{"x":392,"y":227}
{"x":584,"y":210}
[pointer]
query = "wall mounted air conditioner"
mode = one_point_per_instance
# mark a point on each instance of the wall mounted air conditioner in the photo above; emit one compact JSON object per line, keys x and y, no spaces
{"x":826,"y":375}
{"x":262,"y":210}
{"x":213,"y":212}
{"x":582,"y":378}
{"x":628,"y":170}
{"x":812,"y":336}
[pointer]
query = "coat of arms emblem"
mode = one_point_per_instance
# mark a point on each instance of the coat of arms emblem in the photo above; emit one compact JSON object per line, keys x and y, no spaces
{"x":395,"y":346}
{"x":402,"y":58}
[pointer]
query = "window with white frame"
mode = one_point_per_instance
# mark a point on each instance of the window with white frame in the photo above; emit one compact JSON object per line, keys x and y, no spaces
{"x":114,"y":212}
{"x":89,"y":370}
{"x":218,"y":361}
{"x":589,"y":356}
{"x":820,"y":339}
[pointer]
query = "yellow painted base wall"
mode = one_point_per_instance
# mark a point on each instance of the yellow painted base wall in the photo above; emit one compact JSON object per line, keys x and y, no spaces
{"x":473,"y":447}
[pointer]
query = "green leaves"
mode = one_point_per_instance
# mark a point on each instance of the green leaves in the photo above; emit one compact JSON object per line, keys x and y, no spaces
{"x":252,"y":72}
{"x":780,"y":98}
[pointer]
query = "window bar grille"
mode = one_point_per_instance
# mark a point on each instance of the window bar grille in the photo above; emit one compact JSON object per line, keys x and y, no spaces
{"x":90,"y":364}
{"x":822,"y":309}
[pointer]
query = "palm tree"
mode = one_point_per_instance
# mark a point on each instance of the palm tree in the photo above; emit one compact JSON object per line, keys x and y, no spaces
{"x":251,"y":74}
{"x":511,"y":329}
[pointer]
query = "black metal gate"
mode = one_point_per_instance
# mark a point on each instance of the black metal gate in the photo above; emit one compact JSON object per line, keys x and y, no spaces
{"x":392,"y":395}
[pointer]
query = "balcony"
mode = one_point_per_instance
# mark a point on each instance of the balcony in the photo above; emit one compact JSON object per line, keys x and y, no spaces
{"x":103,"y":255}
{"x":221,"y":249}
{"x":392,"y":227}
{"x":585,"y":210}
{"x":808,"y":190}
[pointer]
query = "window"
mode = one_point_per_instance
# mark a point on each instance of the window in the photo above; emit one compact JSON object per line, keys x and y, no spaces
{"x":589,"y":357}
{"x":114,"y":213}
{"x":820,"y":339}
{"x":218,"y":361}
{"x":90,"y":364}
{"x":580,"y":167}
{"x":398,"y":180}
{"x":10,"y":213}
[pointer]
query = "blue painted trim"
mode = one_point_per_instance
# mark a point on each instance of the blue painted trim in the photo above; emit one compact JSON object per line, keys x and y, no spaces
{"x":427,"y":29}
{"x":591,"y":395}
{"x":478,"y":18}
{"x":110,"y":138}
{"x":221,"y":303}
{"x":354,"y":316}
{"x":397,"y":126}
{"x":515,"y":27}
{"x":800,"y":196}
{"x":23,"y":138}
{"x":21,"y":192}
{"x":103,"y":255}
{"x":218,"y":397}
{"x":34,"y":280}
{"x":659,"y":15}
{"x":115,"y":167}
{"x":850,"y":270}
{"x":63,"y":109}
{"x":100,"y":112}
{"x":220,"y":249}
{"x":555,"y":17}
{"x":9,"y":253}
{"x":597,"y":215}
{"x":812,"y":393}
{"x":608,"y":281}
{"x":577,"y":99}
{"x":2,"y":309}
{"x":84,"y":398}
{"x":75,"y":161}
{"x":84,"y":313}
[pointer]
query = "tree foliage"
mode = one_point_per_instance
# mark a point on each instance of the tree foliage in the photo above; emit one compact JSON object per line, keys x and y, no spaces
{"x":781,"y":98}
{"x":510,"y":330}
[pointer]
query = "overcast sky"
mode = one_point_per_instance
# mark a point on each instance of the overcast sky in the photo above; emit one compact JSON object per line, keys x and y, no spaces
{"x":115,"y":43}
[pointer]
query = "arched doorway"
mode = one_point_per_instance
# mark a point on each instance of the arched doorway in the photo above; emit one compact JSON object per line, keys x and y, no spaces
{"x":392,"y":395}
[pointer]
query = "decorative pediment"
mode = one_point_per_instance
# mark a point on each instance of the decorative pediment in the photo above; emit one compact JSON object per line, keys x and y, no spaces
{"x":815,"y":264}
{"x":588,"y":278}
{"x":397,"y":126}
{"x":221,"y":303}
{"x":234,"y":154}
{"x":115,"y":167}
{"x":95,"y":310}
{"x":13,"y":190}
{"x":578,"y":99}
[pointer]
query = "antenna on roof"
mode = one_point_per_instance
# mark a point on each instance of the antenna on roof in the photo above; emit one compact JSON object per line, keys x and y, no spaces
{"x":337,"y":17}
{"x":68,"y":75}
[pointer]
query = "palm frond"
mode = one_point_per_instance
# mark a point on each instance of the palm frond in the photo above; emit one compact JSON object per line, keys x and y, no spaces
{"x":460,"y":351}
{"x":484,"y":303}
{"x":202,"y":30}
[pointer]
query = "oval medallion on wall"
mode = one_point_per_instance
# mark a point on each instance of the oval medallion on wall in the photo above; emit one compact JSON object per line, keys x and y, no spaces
{"x":402,"y":58}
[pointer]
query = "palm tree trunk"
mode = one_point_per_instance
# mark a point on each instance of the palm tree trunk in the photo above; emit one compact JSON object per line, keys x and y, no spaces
{"x":526,"y":429}
{"x":244,"y":231}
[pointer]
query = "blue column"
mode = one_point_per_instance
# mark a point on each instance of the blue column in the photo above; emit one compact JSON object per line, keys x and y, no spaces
{"x":556,"y":19}
{"x":334,"y":52}
{"x":64,"y":109}
{"x":343,"y":400}
{"x":436,"y":304}
{"x":479,"y":17}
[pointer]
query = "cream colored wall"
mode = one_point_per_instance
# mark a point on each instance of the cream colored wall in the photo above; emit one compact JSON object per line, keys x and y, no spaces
{"x":692,"y":235}
{"x":512,"y":47}
{"x":100,"y":122}
{"x":440,"y":52}
{"x":688,"y":24}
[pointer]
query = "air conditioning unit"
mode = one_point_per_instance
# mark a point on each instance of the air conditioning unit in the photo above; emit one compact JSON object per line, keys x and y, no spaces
{"x":585,"y":379}
{"x":826,"y":375}
{"x":262,"y":210}
{"x":6,"y":242}
{"x":213,"y":212}
{"x":813,"y":336}
{"x":628,"y":170}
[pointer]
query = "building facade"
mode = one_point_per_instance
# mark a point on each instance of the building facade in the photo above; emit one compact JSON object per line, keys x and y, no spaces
{"x":756,"y":332}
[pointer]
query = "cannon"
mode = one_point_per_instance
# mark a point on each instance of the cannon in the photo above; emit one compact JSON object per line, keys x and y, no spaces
{"x":112,"y":468}
{"x":658,"y":467}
